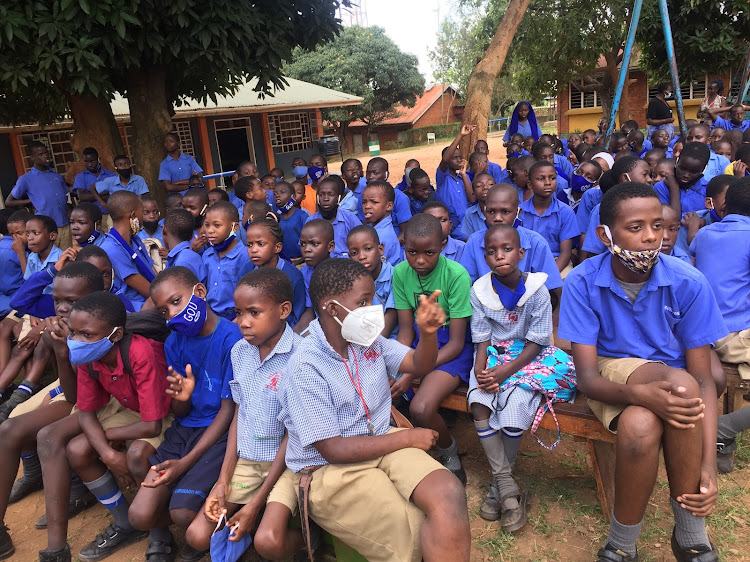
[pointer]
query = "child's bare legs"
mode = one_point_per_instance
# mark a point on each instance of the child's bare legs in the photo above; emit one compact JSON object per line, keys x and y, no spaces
{"x":198,"y":534}
{"x":274,"y":539}
{"x":138,"y":454}
{"x":7,"y":327}
{"x":717,"y":373}
{"x":12,"y":366}
{"x":445,"y":532}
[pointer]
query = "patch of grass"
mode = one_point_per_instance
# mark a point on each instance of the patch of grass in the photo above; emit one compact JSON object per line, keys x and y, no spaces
{"x":542,"y":526}
{"x":500,"y":546}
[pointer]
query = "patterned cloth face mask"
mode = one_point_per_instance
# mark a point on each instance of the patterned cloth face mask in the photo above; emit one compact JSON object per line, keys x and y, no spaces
{"x":639,"y":262}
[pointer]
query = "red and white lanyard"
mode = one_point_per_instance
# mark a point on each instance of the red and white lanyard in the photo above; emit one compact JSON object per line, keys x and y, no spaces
{"x":358,"y":387}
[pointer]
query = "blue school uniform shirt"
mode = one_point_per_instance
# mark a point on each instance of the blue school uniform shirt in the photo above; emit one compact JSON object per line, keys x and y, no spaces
{"x":158,"y":234}
{"x":237,"y":202}
{"x":298,"y":285}
{"x":350,"y":202}
{"x":692,"y":198}
{"x":124,"y":266}
{"x":86,"y":179}
{"x":681,"y":254}
{"x":47,"y":192}
{"x":590,"y":199}
{"x":716,"y":166}
{"x":384,"y":287}
{"x":537,"y":257}
{"x":400,"y":214}
{"x":473,"y":222}
{"x":675,"y":310}
{"x":591,"y":243}
{"x":222,"y":274}
{"x":682,"y":242}
{"x":319,"y":401}
{"x":136,"y":184}
{"x":292,"y":228}
{"x":728,"y":125}
{"x":180,"y":169}
{"x":722,"y":254}
{"x":307,"y":272}
{"x":12,"y":276}
{"x":564,"y":166}
{"x":497,"y":172}
{"x":34,"y":264}
{"x":556,"y":224}
{"x":389,"y":240}
{"x":182,"y":254}
{"x":210,"y":358}
{"x":454,"y":249}
{"x":342,"y":223}
{"x":450,"y":190}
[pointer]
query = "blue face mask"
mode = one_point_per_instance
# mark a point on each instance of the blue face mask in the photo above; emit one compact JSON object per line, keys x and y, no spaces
{"x":190,"y":320}
{"x":221,"y":246}
{"x":224,"y":550}
{"x":82,"y":352}
{"x":315,"y":172}
{"x":299,"y":171}
{"x":507,"y":297}
{"x":91,"y":239}
{"x":515,"y":154}
{"x":288,"y":207}
{"x":579,"y":184}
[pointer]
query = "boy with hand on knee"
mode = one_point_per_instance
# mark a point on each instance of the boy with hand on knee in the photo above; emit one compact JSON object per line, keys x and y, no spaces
{"x":364,"y":482}
{"x":654,"y":387}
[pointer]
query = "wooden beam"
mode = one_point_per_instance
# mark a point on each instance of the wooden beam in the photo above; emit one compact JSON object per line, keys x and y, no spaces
{"x":208,"y":163}
{"x":267,"y":141}
{"x":17,"y":156}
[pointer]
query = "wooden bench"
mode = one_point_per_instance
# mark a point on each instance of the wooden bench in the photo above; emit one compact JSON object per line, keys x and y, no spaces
{"x":737,"y":390}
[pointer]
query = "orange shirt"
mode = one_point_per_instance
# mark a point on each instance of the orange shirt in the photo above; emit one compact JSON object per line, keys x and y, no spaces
{"x":310,"y":202}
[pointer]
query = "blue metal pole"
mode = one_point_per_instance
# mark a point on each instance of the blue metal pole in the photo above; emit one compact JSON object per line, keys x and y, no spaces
{"x":745,"y":81}
{"x":624,"y":68}
{"x":673,"y":66}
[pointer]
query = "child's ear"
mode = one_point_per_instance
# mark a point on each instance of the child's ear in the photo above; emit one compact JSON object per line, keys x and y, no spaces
{"x":97,"y":225}
{"x":331,"y":246}
{"x":442,"y":246}
{"x":389,"y":206}
{"x":117,"y":335}
{"x":285,"y":310}
{"x":521,"y":252}
{"x":381,"y":250}
{"x":330,"y":308}
{"x":201,"y":291}
{"x":53,"y":236}
{"x":602,"y":236}
{"x":279,"y":246}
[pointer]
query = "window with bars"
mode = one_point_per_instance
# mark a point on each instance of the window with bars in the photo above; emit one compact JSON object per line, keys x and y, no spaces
{"x":580,"y":99}
{"x":57,"y":142}
{"x":292,"y":132}
{"x":695,"y":90}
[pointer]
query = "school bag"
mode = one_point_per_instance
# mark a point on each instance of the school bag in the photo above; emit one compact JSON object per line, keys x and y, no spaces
{"x":153,"y":245}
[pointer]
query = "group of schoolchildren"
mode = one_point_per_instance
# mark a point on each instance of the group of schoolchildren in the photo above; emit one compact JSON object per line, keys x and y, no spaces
{"x":238,"y":360}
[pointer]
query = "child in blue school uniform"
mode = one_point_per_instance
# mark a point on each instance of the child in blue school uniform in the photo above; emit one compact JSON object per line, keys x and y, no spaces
{"x":493,"y":169}
{"x":352,"y":173}
{"x":736,"y":117}
{"x":124,"y":180}
{"x":133,"y":267}
{"x":188,"y":461}
{"x":86,"y":224}
{"x":92,"y":173}
{"x":178,"y":233}
{"x":152,"y":226}
{"x":585,"y":177}
{"x":474,"y":216}
{"x":177,"y":168}
{"x":291,"y":219}
{"x":670,"y":230}
{"x":336,"y":408}
{"x":546,"y":215}
{"x":405,"y":182}
{"x":96,"y":256}
{"x":377,"y":170}
{"x":420,"y":190}
{"x":377,"y":204}
{"x":365,"y":247}
{"x":451,"y":188}
{"x":544,"y":152}
{"x":195,"y":201}
{"x":687,"y":184}
{"x":716,"y":191}
{"x":716,"y":162}
{"x":454,"y":248}
{"x":316,"y":242}
{"x":330,"y":190}
{"x":265,"y":239}
{"x":41,"y":232}
{"x":722,"y":254}
{"x":12,"y":228}
{"x":501,"y":207}
{"x":641,"y":325}
{"x":425,"y":271}
{"x":518,"y":176}
{"x":224,"y":258}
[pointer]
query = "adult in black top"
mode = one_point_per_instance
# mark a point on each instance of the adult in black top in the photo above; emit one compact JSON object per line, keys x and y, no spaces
{"x":659,"y":113}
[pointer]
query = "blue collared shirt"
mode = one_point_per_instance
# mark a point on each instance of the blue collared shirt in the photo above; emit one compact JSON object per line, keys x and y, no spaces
{"x":590,"y":199}
{"x":556,"y":224}
{"x":497,"y":172}
{"x":454,"y":249}
{"x":319,"y":401}
{"x":591,"y":243}
{"x":86,"y":179}
{"x":47,"y":192}
{"x":473,"y":222}
{"x":524,"y":129}
{"x":178,"y":170}
{"x":389,"y":240}
{"x":255,"y":389}
{"x":124,"y":267}
{"x":681,"y":254}
{"x":34,"y":265}
{"x":728,"y":125}
{"x":158,"y":234}
{"x":298,"y":285}
{"x":384,"y":287}
{"x":722,"y":254}
{"x":564,"y":165}
{"x":342,"y":223}
{"x":292,"y":227}
{"x":450,"y":190}
{"x":222,"y":274}
{"x":675,"y":310}
{"x":184,"y":255}
{"x":136,"y":184}
{"x":307,"y":272}
{"x":350,"y":202}
{"x":716,"y":166}
{"x":537,"y":257}
{"x":692,"y":198}
{"x":682,"y":242}
{"x":401,"y":212}
{"x":12,"y":277}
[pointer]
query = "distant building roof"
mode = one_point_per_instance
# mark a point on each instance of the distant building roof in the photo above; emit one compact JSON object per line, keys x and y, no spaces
{"x":410,"y":115}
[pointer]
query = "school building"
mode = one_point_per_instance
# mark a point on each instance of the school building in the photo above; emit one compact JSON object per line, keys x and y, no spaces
{"x":270,"y":131}
{"x":579,"y":110}
{"x":438,"y":105}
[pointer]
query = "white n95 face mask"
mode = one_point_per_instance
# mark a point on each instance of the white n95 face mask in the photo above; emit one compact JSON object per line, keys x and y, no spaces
{"x":363,"y":325}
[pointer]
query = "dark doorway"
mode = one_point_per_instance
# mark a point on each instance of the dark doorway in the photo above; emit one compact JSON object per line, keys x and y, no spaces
{"x":233,"y":149}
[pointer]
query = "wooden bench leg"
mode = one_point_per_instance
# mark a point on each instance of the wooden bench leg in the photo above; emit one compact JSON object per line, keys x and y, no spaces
{"x":603,"y":461}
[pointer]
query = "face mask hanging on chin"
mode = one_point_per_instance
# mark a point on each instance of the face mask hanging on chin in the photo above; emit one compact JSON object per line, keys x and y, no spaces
{"x":640,"y":262}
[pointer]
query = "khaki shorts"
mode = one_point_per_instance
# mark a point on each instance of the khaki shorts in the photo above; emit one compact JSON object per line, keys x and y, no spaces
{"x":38,"y":400}
{"x":106,"y":222}
{"x":735,"y":349}
{"x":617,"y":370}
{"x":367,"y":505}
{"x":567,"y":269}
{"x":25,"y":319}
{"x":115,"y":414}
{"x":249,"y":476}
{"x":64,"y":238}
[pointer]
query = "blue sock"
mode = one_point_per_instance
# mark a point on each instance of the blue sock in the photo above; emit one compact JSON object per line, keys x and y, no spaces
{"x":108,"y":493}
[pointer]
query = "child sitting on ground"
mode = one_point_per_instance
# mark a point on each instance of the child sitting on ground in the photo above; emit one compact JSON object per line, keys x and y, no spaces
{"x":188,"y":461}
{"x":217,"y":194}
{"x":663,"y":169}
{"x":152,"y":226}
{"x":353,"y":174}
{"x":299,"y":196}
{"x":474,"y":216}
{"x":377,"y":204}
{"x":585,"y":177}
{"x":336,"y":409}
{"x":316,"y":242}
{"x":405,"y":182}
{"x":365,"y":248}
{"x":670,"y":230}
{"x":420,"y":191}
{"x":425,"y":272}
{"x":291,"y":219}
{"x":511,"y":311}
{"x":12,"y":249}
{"x":195,"y":201}
{"x":715,"y":210}
{"x":477,"y":165}
{"x":449,"y":183}
{"x":330,"y":191}
{"x":723,"y":148}
{"x":252,"y":482}
{"x":653,"y":387}
{"x":493,"y":169}
{"x":518,"y":173}
{"x":741,"y":164}
{"x":85,"y":225}
{"x":686,"y":189}
{"x":454,"y":248}
{"x":377,"y":170}
{"x":178,"y":232}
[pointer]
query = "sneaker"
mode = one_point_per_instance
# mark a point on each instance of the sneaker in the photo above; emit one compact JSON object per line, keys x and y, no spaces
{"x":57,"y":555}
{"x":23,"y":487}
{"x":611,"y":554}
{"x":511,"y":520}
{"x":110,"y":541}
{"x":6,"y":543}
{"x":724,"y":463}
{"x":490,"y":509}
{"x":159,"y":551}
{"x":189,"y":554}
{"x":700,"y":553}
{"x":75,"y":506}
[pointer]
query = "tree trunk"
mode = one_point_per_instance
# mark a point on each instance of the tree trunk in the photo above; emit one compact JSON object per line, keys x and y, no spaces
{"x":482,"y":80}
{"x":94,"y":125}
{"x":151,"y":120}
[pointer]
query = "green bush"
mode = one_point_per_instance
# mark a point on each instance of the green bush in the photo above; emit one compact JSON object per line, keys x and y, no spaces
{"x":414,"y":137}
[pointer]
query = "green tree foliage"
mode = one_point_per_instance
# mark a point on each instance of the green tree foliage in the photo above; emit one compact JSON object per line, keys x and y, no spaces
{"x":364,"y":62}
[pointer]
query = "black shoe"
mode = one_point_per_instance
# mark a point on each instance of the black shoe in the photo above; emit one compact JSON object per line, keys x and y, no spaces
{"x":23,"y":487}
{"x":611,"y":554}
{"x":724,"y":463}
{"x":700,"y":553}
{"x":110,"y":541}
{"x":159,"y":551}
{"x":6,"y":543}
{"x":189,"y":554}
{"x":57,"y":555}
{"x":75,"y":506}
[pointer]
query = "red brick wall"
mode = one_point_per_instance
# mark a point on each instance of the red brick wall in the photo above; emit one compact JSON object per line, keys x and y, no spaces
{"x":433,"y":115}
